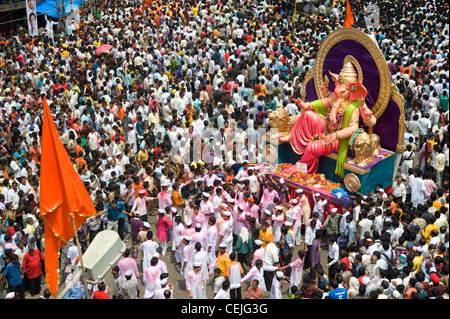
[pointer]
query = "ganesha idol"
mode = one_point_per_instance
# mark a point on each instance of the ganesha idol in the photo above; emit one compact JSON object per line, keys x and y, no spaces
{"x":326,"y":125}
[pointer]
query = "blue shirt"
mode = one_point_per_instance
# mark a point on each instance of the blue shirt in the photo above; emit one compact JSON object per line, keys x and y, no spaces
{"x":113,"y":214}
{"x":321,"y":283}
{"x":352,"y":232}
{"x":339,"y":293}
{"x":76,"y":292}
{"x":288,"y":243}
{"x":12,"y":273}
{"x":120,"y":205}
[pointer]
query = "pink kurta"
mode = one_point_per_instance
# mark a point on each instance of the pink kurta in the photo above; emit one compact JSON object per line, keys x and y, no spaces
{"x":126,"y":264}
{"x":277,"y":222}
{"x":194,"y":283}
{"x":199,"y":219}
{"x":188,"y":258}
{"x":258,"y":254}
{"x":267,"y":198}
{"x":189,"y":231}
{"x":254,"y":211}
{"x":151,"y":281}
{"x":164,"y":200}
{"x":199,"y":237}
{"x":430,"y":186}
{"x":162,"y":229}
{"x":243,"y":221}
{"x":296,"y":271}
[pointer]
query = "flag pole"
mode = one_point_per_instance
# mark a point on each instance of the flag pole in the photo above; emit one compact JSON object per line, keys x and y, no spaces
{"x":79,"y":254}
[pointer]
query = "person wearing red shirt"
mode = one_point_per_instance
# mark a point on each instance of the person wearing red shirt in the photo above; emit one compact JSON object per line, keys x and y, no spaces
{"x":226,"y":87}
{"x":100,"y":293}
{"x":32,"y":262}
{"x":344,"y":260}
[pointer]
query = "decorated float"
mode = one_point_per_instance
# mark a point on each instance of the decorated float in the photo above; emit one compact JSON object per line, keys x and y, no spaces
{"x":348,"y":137}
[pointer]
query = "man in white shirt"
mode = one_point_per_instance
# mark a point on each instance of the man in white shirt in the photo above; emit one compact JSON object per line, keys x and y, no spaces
{"x":292,"y":109}
{"x":356,"y":209}
{"x":270,"y":259}
{"x":399,"y":189}
{"x":365,"y":225}
{"x":417,"y":188}
{"x":226,"y":232}
{"x":72,"y":255}
{"x":206,"y":206}
{"x":343,"y":223}
{"x":13,"y":196}
{"x":397,"y":233}
{"x":224,"y":291}
{"x":234,"y":273}
{"x":333,"y":256}
{"x":253,"y":182}
{"x":218,"y":281}
{"x":425,"y":128}
{"x":379,"y":220}
{"x":210,"y":177}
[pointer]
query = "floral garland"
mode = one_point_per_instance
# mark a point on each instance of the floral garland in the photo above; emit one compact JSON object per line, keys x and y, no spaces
{"x":339,"y":114}
{"x":285,"y":170}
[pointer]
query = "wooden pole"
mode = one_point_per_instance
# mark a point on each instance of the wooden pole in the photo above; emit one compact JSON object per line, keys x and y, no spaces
{"x":58,"y":8}
{"x":81,"y":257}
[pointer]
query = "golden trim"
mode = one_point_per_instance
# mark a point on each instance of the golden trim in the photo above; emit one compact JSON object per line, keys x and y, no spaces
{"x":350,"y":167}
{"x":400,"y":100}
{"x":362,"y":38}
{"x":352,"y":60}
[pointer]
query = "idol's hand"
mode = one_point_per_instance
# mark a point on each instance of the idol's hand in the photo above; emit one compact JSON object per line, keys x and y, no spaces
{"x":302,"y":104}
{"x":330,"y":138}
{"x":333,"y":115}
{"x":365,"y":112}
{"x":324,"y":86}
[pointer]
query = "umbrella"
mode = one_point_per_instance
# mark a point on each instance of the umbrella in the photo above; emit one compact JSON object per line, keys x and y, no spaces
{"x":69,"y":8}
{"x":103,"y":48}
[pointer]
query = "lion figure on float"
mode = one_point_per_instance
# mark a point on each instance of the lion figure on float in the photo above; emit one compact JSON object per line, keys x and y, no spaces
{"x":280,"y":120}
{"x":365,"y":146}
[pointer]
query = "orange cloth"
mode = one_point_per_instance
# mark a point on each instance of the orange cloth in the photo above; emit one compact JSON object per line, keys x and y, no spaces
{"x":348,"y":22}
{"x":80,"y":162}
{"x":177,"y":200}
{"x":120,"y":113}
{"x":62,"y":193}
{"x":78,"y":149}
{"x":137,"y":188}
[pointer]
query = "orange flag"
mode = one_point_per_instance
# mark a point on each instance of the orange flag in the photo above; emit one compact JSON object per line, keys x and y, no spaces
{"x":62,"y":195}
{"x":348,"y":22}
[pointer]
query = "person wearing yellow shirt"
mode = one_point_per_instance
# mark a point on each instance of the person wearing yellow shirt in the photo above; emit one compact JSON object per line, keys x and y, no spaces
{"x":436,"y":203}
{"x":142,"y":156}
{"x":426,"y":232}
{"x":263,"y":89}
{"x":418,"y":258}
{"x":196,"y":9}
{"x":177,"y":200}
{"x":265,"y":234}
{"x":30,"y":227}
{"x":223,"y":259}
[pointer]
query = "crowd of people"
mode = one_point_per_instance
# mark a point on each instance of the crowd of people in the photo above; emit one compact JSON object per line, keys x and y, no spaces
{"x":144,"y":124}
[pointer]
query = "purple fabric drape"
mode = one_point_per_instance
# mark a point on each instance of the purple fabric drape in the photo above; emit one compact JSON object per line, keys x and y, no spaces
{"x":387,"y":125}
